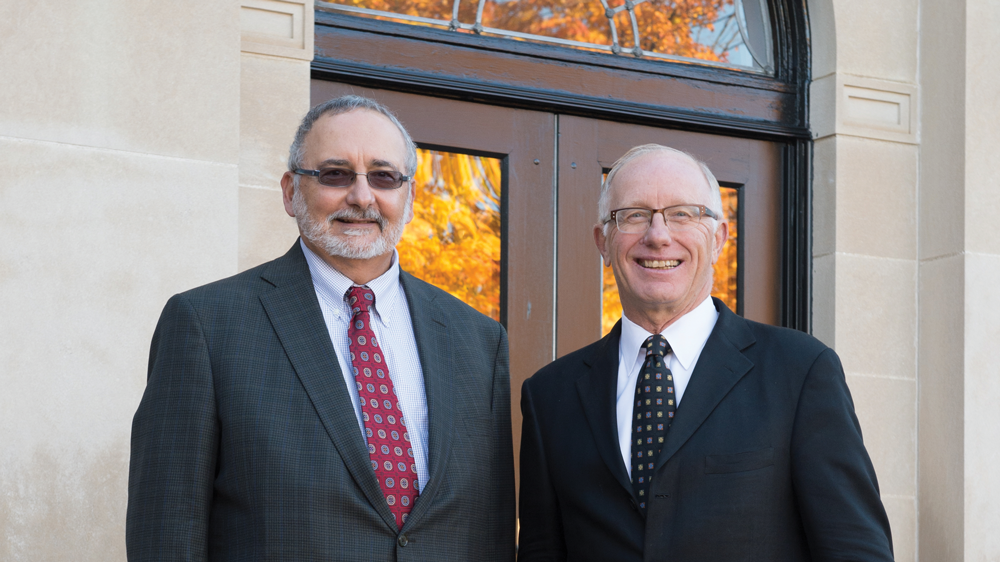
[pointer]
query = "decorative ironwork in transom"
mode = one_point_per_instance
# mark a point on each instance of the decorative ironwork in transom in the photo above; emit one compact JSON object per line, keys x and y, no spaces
{"x":729,"y":33}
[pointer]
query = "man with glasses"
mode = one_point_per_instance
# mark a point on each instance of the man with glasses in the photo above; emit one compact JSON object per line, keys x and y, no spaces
{"x":689,"y":434}
{"x":327,"y":405}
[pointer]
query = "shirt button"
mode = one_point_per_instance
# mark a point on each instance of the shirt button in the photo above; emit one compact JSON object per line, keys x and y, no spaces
{"x":402,"y":540}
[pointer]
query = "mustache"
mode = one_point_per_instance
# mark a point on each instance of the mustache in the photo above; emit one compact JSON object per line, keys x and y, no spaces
{"x":369,"y":214}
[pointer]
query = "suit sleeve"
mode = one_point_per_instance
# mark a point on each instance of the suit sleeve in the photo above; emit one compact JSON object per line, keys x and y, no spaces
{"x":175,"y":437}
{"x":833,"y":477}
{"x":502,"y":487}
{"x":541,"y":536}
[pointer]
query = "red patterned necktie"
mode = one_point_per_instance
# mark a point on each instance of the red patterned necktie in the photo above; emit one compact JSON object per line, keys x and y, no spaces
{"x":388,"y":441}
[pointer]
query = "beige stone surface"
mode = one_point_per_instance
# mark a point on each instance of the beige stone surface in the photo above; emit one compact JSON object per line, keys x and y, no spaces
{"x":982,"y":130}
{"x":266,"y":231}
{"x":92,"y":243}
{"x":902,"y":512}
{"x":824,"y":196}
{"x":142,"y":76}
{"x":281,"y":28}
{"x":876,"y":190}
{"x":941,"y":411}
{"x":823,"y":31}
{"x":943,"y":121}
{"x":274,"y":96}
{"x":875,"y":312}
{"x":887,"y":410}
{"x":982,"y":416}
{"x":880,"y":44}
{"x":824,"y":304}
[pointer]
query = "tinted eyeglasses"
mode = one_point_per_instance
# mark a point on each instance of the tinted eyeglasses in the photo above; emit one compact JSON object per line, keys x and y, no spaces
{"x":342,"y":177}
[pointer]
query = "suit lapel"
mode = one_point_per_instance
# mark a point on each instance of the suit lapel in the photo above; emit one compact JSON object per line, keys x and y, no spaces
{"x":598,"y":390}
{"x":721,"y":365}
{"x":434,"y":348}
{"x":294,"y":312}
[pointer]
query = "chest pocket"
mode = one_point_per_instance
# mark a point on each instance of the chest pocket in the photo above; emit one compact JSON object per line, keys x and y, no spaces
{"x":739,"y":462}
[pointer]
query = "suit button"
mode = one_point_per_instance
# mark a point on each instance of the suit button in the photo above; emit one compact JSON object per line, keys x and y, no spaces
{"x":402,"y":540}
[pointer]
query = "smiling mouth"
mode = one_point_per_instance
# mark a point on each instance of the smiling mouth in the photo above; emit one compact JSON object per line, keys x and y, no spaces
{"x":659,"y":264}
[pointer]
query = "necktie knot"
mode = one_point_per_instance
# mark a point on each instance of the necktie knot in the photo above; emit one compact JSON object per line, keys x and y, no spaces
{"x":360,"y":299}
{"x":656,"y":345}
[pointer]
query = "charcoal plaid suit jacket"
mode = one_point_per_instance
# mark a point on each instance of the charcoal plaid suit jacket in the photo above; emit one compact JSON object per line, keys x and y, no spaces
{"x":246,"y":446}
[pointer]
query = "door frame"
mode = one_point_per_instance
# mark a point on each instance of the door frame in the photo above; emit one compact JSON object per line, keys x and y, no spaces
{"x":546,"y":78}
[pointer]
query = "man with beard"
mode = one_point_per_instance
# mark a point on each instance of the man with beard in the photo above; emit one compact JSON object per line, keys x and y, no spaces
{"x":327,"y":405}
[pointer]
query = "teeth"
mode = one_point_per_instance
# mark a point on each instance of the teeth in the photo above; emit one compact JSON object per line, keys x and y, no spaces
{"x":660,"y":264}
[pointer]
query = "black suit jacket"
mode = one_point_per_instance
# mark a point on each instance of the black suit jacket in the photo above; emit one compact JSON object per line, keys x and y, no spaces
{"x":764,"y":460}
{"x":246,"y":445}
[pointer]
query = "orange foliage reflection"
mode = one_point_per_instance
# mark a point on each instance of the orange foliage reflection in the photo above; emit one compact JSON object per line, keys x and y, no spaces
{"x":724,"y":281}
{"x":671,"y":27}
{"x":454,"y":239}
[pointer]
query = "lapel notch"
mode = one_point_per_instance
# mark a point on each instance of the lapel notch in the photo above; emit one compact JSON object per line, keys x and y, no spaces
{"x":294,"y":312}
{"x":598,"y":389}
{"x":721,"y":365}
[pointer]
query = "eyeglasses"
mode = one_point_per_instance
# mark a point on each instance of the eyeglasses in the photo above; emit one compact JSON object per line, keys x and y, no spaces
{"x":342,"y":177}
{"x":635,"y":220}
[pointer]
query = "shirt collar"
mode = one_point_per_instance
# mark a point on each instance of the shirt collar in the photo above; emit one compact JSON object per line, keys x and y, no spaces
{"x":687,"y":336}
{"x":333,"y":285}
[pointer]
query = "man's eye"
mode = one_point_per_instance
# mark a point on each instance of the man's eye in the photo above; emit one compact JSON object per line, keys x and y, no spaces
{"x":681,"y":214}
{"x":635,"y":216}
{"x":336,"y":173}
{"x":382,"y":175}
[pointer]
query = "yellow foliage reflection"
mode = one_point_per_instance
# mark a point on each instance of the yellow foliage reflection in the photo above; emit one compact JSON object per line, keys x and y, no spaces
{"x":686,"y":28}
{"x":724,"y":281}
{"x":454,"y":239}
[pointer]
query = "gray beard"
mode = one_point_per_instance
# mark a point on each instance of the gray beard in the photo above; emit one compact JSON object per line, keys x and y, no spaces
{"x":348,"y":245}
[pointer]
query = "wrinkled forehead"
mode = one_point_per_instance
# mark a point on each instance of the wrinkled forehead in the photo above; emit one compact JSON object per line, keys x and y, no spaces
{"x":662,"y":174}
{"x":359,"y":131}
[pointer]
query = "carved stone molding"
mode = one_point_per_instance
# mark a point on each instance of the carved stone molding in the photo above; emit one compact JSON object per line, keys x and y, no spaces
{"x":843,"y":104}
{"x":282,"y":28}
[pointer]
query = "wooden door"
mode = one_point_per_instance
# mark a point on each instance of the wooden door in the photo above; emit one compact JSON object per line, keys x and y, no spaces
{"x":552,"y":167}
{"x":588,"y":147}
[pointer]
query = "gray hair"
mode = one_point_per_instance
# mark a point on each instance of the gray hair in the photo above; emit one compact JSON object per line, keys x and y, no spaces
{"x":603,"y":204}
{"x":344,"y":104}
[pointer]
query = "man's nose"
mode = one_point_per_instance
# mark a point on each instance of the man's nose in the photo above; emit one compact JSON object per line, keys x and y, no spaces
{"x":658,"y":231}
{"x":360,"y":193}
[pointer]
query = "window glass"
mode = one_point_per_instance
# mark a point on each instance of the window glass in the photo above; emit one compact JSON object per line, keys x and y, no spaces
{"x":731,"y":33}
{"x":725,"y":277}
{"x":454,"y":239}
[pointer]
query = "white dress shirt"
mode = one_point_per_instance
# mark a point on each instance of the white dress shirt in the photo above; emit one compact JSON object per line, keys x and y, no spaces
{"x":394,"y":329}
{"x":687,"y":337}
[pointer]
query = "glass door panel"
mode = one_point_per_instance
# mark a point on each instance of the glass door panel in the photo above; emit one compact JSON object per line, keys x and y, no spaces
{"x":750,"y":169}
{"x":454,"y":240}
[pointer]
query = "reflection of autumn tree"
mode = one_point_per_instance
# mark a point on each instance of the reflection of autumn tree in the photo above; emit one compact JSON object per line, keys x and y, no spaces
{"x":665,"y":26}
{"x":454,"y":239}
{"x":724,"y":280}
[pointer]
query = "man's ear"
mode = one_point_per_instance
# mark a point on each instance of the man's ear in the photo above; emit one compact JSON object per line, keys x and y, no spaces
{"x":721,"y":236}
{"x":288,"y":191}
{"x":602,"y":244}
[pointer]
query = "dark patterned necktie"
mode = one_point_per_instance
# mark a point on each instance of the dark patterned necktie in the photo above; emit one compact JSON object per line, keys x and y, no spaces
{"x":388,"y":441}
{"x":654,"y":410}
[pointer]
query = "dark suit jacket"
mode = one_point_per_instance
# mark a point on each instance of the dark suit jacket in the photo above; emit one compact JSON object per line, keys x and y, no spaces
{"x":246,"y":445}
{"x":764,"y":460}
